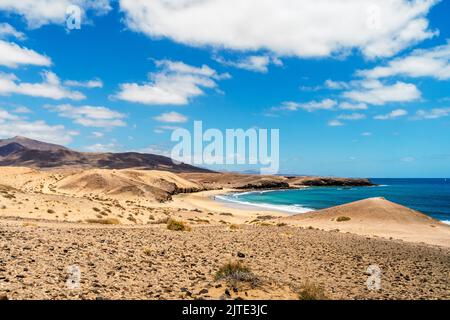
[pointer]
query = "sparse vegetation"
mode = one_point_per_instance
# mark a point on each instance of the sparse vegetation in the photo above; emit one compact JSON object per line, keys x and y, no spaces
{"x":104,"y":221}
{"x":235,"y":272}
{"x":234,"y":227}
{"x":265,"y":217}
{"x":51,"y":211}
{"x":281,"y":224}
{"x":311,"y":291}
{"x":342,"y":218}
{"x":226,"y":214}
{"x":176,"y":225}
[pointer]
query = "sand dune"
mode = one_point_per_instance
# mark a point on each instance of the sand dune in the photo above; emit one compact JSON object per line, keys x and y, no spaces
{"x":379,"y":217}
{"x":158,"y":185}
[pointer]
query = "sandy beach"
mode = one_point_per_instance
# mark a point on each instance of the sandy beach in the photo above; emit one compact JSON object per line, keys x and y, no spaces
{"x":113,"y":226}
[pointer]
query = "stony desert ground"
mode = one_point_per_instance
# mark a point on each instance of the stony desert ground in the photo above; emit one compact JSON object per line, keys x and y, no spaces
{"x":152,"y":262}
{"x":112,"y":225}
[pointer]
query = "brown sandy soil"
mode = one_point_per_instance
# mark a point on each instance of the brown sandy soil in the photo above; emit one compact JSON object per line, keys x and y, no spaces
{"x":50,"y":220}
{"x":152,"y":262}
{"x":379,"y":217}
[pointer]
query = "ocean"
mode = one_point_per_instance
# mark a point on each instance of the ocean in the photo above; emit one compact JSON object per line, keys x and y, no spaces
{"x":430,"y":196}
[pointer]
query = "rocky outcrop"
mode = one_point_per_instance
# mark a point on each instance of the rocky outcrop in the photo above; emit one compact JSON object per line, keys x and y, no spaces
{"x":329,"y":182}
{"x":265,"y":184}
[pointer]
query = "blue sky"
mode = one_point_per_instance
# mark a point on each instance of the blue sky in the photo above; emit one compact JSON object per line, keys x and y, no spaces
{"x":355,"y":89}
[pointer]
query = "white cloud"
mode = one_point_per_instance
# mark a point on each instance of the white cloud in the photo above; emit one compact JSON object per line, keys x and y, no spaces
{"x":326,"y":104}
{"x":366,"y":134}
{"x":392,"y":115}
{"x":50,"y":87}
{"x":155,"y":149}
{"x":431,"y":114}
{"x":100,"y":147}
{"x":94,"y":83}
{"x":336,"y":85}
{"x":352,"y":116}
{"x":352,"y":106}
{"x":433,"y":62}
{"x":90,"y":116}
{"x":22,"y":109}
{"x":40,"y":12}
{"x":286,"y":27}
{"x":7,"y":30}
{"x":377,"y":93}
{"x":255,"y":63}
{"x":5,"y":115}
{"x":171,"y":117}
{"x":335,"y":123}
{"x":12,"y":125}
{"x":408,"y":159}
{"x":97,"y":134}
{"x":13,"y":55}
{"x":174,"y":84}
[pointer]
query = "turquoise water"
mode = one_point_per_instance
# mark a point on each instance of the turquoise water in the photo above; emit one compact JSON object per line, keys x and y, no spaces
{"x":430,"y":196}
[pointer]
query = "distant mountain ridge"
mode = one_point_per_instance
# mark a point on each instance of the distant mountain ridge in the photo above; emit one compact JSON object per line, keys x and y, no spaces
{"x":21,"y":151}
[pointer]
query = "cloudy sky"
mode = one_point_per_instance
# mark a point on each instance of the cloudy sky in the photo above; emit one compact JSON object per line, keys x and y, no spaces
{"x":356,"y":87}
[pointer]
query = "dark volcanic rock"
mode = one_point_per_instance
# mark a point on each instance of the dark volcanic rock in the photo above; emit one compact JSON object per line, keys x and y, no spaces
{"x":345,"y":182}
{"x":265,"y":184}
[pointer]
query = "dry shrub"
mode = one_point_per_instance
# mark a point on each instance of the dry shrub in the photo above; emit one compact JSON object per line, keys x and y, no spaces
{"x":342,"y":218}
{"x":176,"y":225}
{"x":311,"y":291}
{"x":235,"y":271}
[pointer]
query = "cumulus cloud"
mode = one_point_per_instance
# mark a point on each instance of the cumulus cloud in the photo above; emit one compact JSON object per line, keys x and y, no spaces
{"x":13,"y":55}
{"x":335,"y":123}
{"x":97,"y":134}
{"x":90,"y":116}
{"x":326,"y":104}
{"x":336,"y":85}
{"x":378,"y":93}
{"x":103,"y":147}
{"x":50,"y":87}
{"x":7,"y":30}
{"x":392,"y":115}
{"x":352,"y":116}
{"x":171,"y":117}
{"x":22,"y":110}
{"x":300,"y":28}
{"x":255,"y":63}
{"x":94,"y":83}
{"x":433,"y":62}
{"x":435,"y":113}
{"x":352,"y":106}
{"x":174,"y":84}
{"x":13,"y":125}
{"x":41,"y":12}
